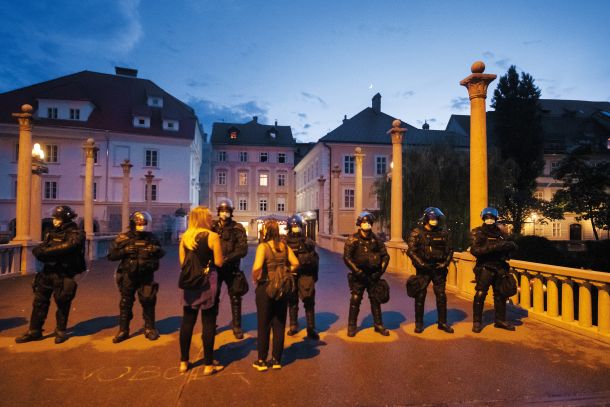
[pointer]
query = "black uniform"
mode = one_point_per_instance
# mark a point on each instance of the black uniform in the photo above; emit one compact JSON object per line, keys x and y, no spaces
{"x":63,"y":254}
{"x":367,"y":258}
{"x":491,"y":248}
{"x":234,"y":244}
{"x":307,"y":275}
{"x":139,"y":253}
{"x":430,"y":252}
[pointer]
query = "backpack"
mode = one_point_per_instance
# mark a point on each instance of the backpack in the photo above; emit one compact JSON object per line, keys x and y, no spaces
{"x":193,"y":274}
{"x":280,"y":282}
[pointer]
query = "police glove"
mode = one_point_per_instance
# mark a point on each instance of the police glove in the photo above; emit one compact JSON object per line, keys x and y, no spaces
{"x":130,"y":249}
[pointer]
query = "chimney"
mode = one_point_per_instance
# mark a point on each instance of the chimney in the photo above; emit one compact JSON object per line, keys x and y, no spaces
{"x":344,"y":118}
{"x":276,"y":123}
{"x":120,"y":71}
{"x":426,"y":126}
{"x":377,"y":103}
{"x":255,"y":119}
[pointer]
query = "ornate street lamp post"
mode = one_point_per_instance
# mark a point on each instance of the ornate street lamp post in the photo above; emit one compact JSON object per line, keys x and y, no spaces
{"x":149,"y":179}
{"x":126,"y":166}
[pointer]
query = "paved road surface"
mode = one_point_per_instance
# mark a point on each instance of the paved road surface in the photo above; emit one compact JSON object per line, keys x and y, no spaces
{"x":536,"y":365}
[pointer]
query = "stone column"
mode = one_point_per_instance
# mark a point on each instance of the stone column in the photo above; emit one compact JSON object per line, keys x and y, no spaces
{"x":538,"y":294}
{"x":321,"y":209}
{"x":335,"y":198}
{"x":38,"y":168}
{"x":149,"y":179}
{"x":126,"y":166}
{"x":358,"y":193}
{"x":477,"y":84}
{"x":396,"y":218}
{"x":24,"y":174}
{"x":524,"y":299}
{"x":90,"y":149}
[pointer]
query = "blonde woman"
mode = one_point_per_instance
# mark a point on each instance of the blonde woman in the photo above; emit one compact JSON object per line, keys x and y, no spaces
{"x":206,"y":245}
{"x":270,"y":313}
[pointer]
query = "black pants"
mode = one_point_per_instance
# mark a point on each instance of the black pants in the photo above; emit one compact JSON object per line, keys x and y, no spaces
{"x":144,"y":285}
{"x":208,"y":320}
{"x":270,"y":314}
{"x":63,"y":290}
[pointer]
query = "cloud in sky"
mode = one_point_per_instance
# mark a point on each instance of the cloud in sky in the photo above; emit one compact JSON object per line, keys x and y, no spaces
{"x":489,"y":55}
{"x":309,"y":97}
{"x":405,"y":94}
{"x":210,"y":112}
{"x":503,"y":63}
{"x":460,"y":103}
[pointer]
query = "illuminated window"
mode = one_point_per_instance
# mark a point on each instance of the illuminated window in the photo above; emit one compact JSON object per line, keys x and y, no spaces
{"x":243,"y":178}
{"x":263,"y":179}
{"x":556,"y":229}
{"x":50,"y":153}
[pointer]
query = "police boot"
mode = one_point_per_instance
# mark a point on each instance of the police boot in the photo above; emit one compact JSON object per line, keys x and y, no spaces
{"x":311,"y":324}
{"x":236,"y":317}
{"x":150,"y":332}
{"x":477,"y":312}
{"x":29,"y":336}
{"x":61,"y":317}
{"x":352,"y":319}
{"x":500,"y":320}
{"x":419,"y":314}
{"x":123,"y":333}
{"x":441,"y":308}
{"x":293,"y":314}
{"x":376,"y":311}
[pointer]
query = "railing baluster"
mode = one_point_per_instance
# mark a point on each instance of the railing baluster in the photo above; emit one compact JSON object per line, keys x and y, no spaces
{"x":603,"y":308}
{"x":538,"y":294}
{"x":515,"y":298}
{"x":525,"y":300}
{"x":552,"y":297}
{"x":584,"y":304}
{"x":567,"y":300}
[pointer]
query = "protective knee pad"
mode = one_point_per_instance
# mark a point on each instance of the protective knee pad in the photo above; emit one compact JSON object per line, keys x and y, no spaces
{"x":479,"y":296}
{"x":355,"y":299}
{"x":309,"y":304}
{"x":441,"y":297}
{"x":147,"y":294}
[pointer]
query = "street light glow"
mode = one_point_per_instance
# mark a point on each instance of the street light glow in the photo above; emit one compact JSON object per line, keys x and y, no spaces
{"x":37,"y":152}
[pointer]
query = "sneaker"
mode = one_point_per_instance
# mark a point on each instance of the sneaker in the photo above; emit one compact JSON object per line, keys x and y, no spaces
{"x":151,"y":334}
{"x":184,"y":366}
{"x":260,"y":365}
{"x":29,"y":336}
{"x":215,"y":367}
{"x":274,"y":364}
{"x":60,"y":337}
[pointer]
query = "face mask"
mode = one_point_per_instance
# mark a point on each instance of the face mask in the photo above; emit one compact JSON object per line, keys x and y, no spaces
{"x":489,"y":221}
{"x":365,"y":226}
{"x":140,"y":228}
{"x":56,"y":222}
{"x":296,"y":230}
{"x":224,"y":215}
{"x":433,"y":222}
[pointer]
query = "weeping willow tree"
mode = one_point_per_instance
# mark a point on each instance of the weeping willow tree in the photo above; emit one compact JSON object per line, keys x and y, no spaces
{"x":438,"y":176}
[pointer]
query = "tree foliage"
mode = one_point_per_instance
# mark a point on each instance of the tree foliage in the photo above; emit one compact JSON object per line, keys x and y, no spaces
{"x":518,"y":134}
{"x":586,"y":186}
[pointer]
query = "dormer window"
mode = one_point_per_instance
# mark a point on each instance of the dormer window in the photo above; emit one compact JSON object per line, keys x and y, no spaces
{"x":155,"y":101}
{"x":272,"y":134}
{"x":172,"y":125}
{"x":51,"y":113}
{"x":141,"y":121}
{"x":74,"y":114}
{"x":233,"y":132}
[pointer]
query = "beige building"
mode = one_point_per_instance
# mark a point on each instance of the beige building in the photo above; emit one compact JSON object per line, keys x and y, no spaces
{"x":252,"y":164}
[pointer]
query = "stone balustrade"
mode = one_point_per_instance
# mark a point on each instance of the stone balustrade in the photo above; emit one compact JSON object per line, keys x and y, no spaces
{"x":10,"y":255}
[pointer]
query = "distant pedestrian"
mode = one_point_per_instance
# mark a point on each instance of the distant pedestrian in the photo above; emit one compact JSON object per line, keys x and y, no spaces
{"x":63,"y":253}
{"x":198,"y":240}
{"x":272,"y":273}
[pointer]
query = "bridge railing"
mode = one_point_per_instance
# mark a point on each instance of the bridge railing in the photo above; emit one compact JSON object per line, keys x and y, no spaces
{"x":10,"y":259}
{"x":574,"y":299}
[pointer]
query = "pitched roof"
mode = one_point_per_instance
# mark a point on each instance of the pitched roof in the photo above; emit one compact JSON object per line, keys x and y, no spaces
{"x":116,"y":98}
{"x":252,"y":133}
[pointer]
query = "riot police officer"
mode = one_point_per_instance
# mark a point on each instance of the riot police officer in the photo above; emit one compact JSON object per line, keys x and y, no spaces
{"x":234,"y":245}
{"x":139,"y":251}
{"x":367,"y":258}
{"x":307,"y":275}
{"x":430,"y":253}
{"x":63,"y":253}
{"x":491,"y":247}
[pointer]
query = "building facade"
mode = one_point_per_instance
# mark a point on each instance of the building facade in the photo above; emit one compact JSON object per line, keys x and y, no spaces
{"x":253,"y":165}
{"x":129,"y":118}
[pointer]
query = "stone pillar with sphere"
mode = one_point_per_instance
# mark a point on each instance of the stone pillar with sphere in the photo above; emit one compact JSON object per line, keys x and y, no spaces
{"x":126,"y":166}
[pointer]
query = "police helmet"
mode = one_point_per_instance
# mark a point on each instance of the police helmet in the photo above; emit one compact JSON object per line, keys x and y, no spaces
{"x":432,"y":213}
{"x":365,"y":217}
{"x":140,"y":218}
{"x":294,"y":221}
{"x":489,"y":211}
{"x":225,"y":204}
{"x":63,"y":213}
